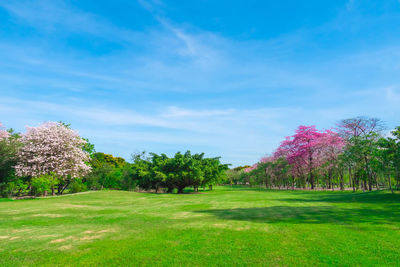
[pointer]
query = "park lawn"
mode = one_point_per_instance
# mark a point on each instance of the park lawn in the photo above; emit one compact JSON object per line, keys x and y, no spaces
{"x":225,"y":227}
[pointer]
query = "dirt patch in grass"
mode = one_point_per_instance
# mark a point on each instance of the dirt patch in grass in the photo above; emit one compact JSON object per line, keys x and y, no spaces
{"x":46,"y":236}
{"x":68,"y":206}
{"x":21,"y":230}
{"x":106,"y":231}
{"x":66,"y":247}
{"x":244,"y":228}
{"x":85,"y":238}
{"x":99,"y":232}
{"x":48,"y":215}
{"x":59,"y":240}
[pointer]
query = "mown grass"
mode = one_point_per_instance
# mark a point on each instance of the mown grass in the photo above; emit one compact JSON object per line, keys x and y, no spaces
{"x":225,"y":227}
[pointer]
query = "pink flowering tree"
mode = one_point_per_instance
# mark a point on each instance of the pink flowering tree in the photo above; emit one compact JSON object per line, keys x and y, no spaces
{"x":331,"y":146}
{"x":52,"y":149}
{"x":308,"y":149}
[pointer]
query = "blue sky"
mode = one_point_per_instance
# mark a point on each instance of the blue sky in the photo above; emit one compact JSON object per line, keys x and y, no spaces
{"x":229,"y":78}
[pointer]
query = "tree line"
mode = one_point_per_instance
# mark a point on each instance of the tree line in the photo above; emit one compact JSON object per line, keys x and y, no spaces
{"x":356,"y":154}
{"x":53,"y":158}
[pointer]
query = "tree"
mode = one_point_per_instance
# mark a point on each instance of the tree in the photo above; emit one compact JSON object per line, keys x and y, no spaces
{"x":155,"y":171}
{"x":361,"y":135}
{"x":106,"y":171}
{"x":52,"y":148}
{"x":213,"y":171}
{"x":388,"y":156}
{"x":3,"y":133}
{"x":100,"y":159}
{"x":396,"y":154}
{"x":307,"y":150}
{"x":9,"y":145}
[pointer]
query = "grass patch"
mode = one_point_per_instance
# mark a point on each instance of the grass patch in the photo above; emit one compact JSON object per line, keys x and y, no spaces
{"x":225,"y":227}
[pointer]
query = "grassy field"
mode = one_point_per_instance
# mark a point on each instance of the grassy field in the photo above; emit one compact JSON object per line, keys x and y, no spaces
{"x":224,"y":227}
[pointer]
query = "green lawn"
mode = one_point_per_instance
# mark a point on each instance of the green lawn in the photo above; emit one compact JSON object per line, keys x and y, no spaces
{"x":224,"y":227}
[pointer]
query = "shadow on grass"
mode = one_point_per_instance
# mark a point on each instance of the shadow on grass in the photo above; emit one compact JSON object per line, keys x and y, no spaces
{"x":376,"y":197}
{"x":311,"y":215}
{"x":380,"y":196}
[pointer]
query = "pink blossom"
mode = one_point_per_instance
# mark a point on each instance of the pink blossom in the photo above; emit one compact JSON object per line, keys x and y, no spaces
{"x":52,"y":147}
{"x":3,"y":133}
{"x":309,"y":148}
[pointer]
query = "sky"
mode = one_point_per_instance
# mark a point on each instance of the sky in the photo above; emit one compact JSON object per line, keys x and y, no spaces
{"x":228,"y":78}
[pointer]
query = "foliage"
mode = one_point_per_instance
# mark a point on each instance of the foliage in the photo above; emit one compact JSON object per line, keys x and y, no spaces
{"x":50,"y":154}
{"x":9,"y":144}
{"x":106,"y":172}
{"x":183,"y":170}
{"x":356,"y":155}
{"x":42,"y":184}
{"x":77,"y":186}
{"x":52,"y":147}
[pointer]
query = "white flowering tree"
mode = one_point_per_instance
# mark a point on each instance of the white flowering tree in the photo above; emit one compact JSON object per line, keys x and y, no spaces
{"x":3,"y":133}
{"x":52,"y":148}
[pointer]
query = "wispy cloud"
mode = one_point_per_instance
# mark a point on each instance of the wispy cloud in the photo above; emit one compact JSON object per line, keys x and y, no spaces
{"x":175,"y":85}
{"x":180,"y":112}
{"x":57,"y":15}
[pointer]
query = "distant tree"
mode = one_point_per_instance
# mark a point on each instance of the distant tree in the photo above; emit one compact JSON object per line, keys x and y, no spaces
{"x":155,"y":171}
{"x":213,"y":171}
{"x":388,"y":156}
{"x":100,"y":159}
{"x":9,"y":144}
{"x":239,"y":168}
{"x":361,"y":135}
{"x":308,"y":149}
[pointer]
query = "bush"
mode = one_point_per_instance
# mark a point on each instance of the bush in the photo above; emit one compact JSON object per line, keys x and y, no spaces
{"x":16,"y":187}
{"x":77,"y":186}
{"x":41,"y":185}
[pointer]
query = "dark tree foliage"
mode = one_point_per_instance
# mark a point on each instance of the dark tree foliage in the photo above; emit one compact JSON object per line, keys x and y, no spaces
{"x":183,"y":170}
{"x":9,"y":183}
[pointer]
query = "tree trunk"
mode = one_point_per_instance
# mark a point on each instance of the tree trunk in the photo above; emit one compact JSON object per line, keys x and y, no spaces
{"x":376,"y":181}
{"x":312,"y":180}
{"x":65,"y":187}
{"x":329,"y":180}
{"x":53,"y":193}
{"x":180,"y":190}
{"x":310,"y":169}
{"x":210,"y":187}
{"x":390,"y":183}
{"x":292,"y":182}
{"x":341,"y":181}
{"x":354,"y":181}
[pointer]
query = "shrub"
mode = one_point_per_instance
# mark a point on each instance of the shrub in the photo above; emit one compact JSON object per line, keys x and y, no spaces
{"x":43,"y":184}
{"x":77,"y":186}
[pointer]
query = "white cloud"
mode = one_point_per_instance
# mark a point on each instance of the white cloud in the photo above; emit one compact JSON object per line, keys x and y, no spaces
{"x":393,"y":95}
{"x":180,"y":112}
